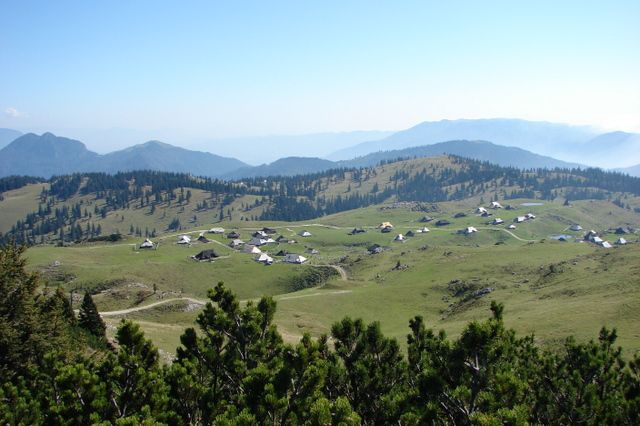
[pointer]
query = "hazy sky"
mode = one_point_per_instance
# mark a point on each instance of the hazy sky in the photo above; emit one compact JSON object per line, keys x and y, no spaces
{"x":241,"y":68}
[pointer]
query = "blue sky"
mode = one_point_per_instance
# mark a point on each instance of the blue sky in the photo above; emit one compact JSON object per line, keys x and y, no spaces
{"x":185,"y":70}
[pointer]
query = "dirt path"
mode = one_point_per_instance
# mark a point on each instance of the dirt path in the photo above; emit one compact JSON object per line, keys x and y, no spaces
{"x":151,"y":305}
{"x":288,"y":296}
{"x":302,"y":226}
{"x":340,"y":269}
{"x":480,"y":228}
{"x":510,"y":233}
{"x":111,"y":245}
{"x":301,"y":296}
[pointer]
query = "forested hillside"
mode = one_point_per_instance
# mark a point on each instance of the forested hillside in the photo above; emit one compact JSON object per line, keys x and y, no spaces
{"x":76,"y":207}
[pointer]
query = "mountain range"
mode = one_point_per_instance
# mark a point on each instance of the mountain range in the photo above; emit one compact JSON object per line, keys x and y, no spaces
{"x":48,"y":154}
{"x":578,"y":144}
{"x":478,"y":150}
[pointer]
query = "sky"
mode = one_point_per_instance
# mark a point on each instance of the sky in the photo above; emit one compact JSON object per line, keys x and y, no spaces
{"x":115,"y":72}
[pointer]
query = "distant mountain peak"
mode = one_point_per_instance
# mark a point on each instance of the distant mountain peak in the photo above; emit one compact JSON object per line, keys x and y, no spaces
{"x":48,"y":154}
{"x":156,"y":143}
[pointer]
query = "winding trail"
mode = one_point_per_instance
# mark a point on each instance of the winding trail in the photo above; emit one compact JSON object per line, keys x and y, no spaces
{"x":150,"y":306}
{"x":510,"y":233}
{"x":288,"y":296}
{"x":340,"y":269}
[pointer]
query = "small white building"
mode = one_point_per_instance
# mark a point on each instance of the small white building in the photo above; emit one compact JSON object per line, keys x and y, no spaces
{"x":424,"y":230}
{"x":597,"y":240}
{"x":496,"y":205}
{"x":147,"y":244}
{"x":481,"y":210}
{"x":252,"y":249}
{"x":184,"y":239}
{"x":264,"y":258}
{"x":295,"y":258}
{"x":605,"y":244}
{"x":255,"y":241}
{"x":512,"y":226}
{"x":519,"y":219}
{"x":469,"y":230}
{"x":621,"y":241}
{"x":236,"y":243}
{"x":216,"y":231}
{"x":589,"y":236}
{"x":530,"y":216}
{"x":497,"y":221}
{"x":399,"y":237}
{"x":305,"y":233}
{"x":575,"y":227}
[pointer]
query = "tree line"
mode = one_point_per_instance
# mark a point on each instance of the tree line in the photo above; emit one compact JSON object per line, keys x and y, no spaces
{"x":235,"y":369}
{"x":302,"y":197}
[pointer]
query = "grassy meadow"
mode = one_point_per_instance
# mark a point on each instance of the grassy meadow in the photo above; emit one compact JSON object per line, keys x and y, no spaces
{"x":550,"y":288}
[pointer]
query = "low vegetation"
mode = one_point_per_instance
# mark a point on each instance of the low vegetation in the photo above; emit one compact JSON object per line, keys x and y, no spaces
{"x":236,"y":369}
{"x":312,"y":276}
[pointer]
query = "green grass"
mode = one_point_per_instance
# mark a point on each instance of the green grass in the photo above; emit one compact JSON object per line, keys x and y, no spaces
{"x":18,"y":203}
{"x":589,"y":287}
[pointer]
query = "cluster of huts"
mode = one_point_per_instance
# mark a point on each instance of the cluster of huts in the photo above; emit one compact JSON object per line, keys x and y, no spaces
{"x":266,"y":235}
{"x":387,"y":227}
{"x":258,"y":239}
{"x":593,"y":237}
{"x":262,"y":238}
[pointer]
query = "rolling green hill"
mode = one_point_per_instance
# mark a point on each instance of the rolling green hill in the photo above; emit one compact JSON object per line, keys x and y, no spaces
{"x":76,"y":207}
{"x":551,"y":288}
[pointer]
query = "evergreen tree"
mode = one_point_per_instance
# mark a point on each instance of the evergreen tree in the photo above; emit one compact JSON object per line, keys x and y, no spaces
{"x":19,"y":340}
{"x":89,"y":318}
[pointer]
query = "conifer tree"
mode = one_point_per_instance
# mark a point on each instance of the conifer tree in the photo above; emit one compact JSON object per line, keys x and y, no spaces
{"x":89,"y":318}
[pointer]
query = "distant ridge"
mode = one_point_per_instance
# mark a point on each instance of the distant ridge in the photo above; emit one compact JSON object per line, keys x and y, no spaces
{"x":7,"y":136}
{"x":537,"y":136}
{"x":633,"y":170}
{"x":288,"y":166}
{"x":477,"y":150}
{"x":155,"y":155}
{"x":48,"y":155}
{"x":45,"y":155}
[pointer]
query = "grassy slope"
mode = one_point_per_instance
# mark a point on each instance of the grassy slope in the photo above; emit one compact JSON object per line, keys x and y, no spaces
{"x":594,"y":288}
{"x":18,"y":203}
{"x":22,"y":201}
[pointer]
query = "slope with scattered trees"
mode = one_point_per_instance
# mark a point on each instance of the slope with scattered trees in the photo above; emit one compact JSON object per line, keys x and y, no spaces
{"x":237,"y":370}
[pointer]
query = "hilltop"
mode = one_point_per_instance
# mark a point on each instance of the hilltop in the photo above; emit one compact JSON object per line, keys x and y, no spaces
{"x":48,"y":154}
{"x":85,"y":205}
